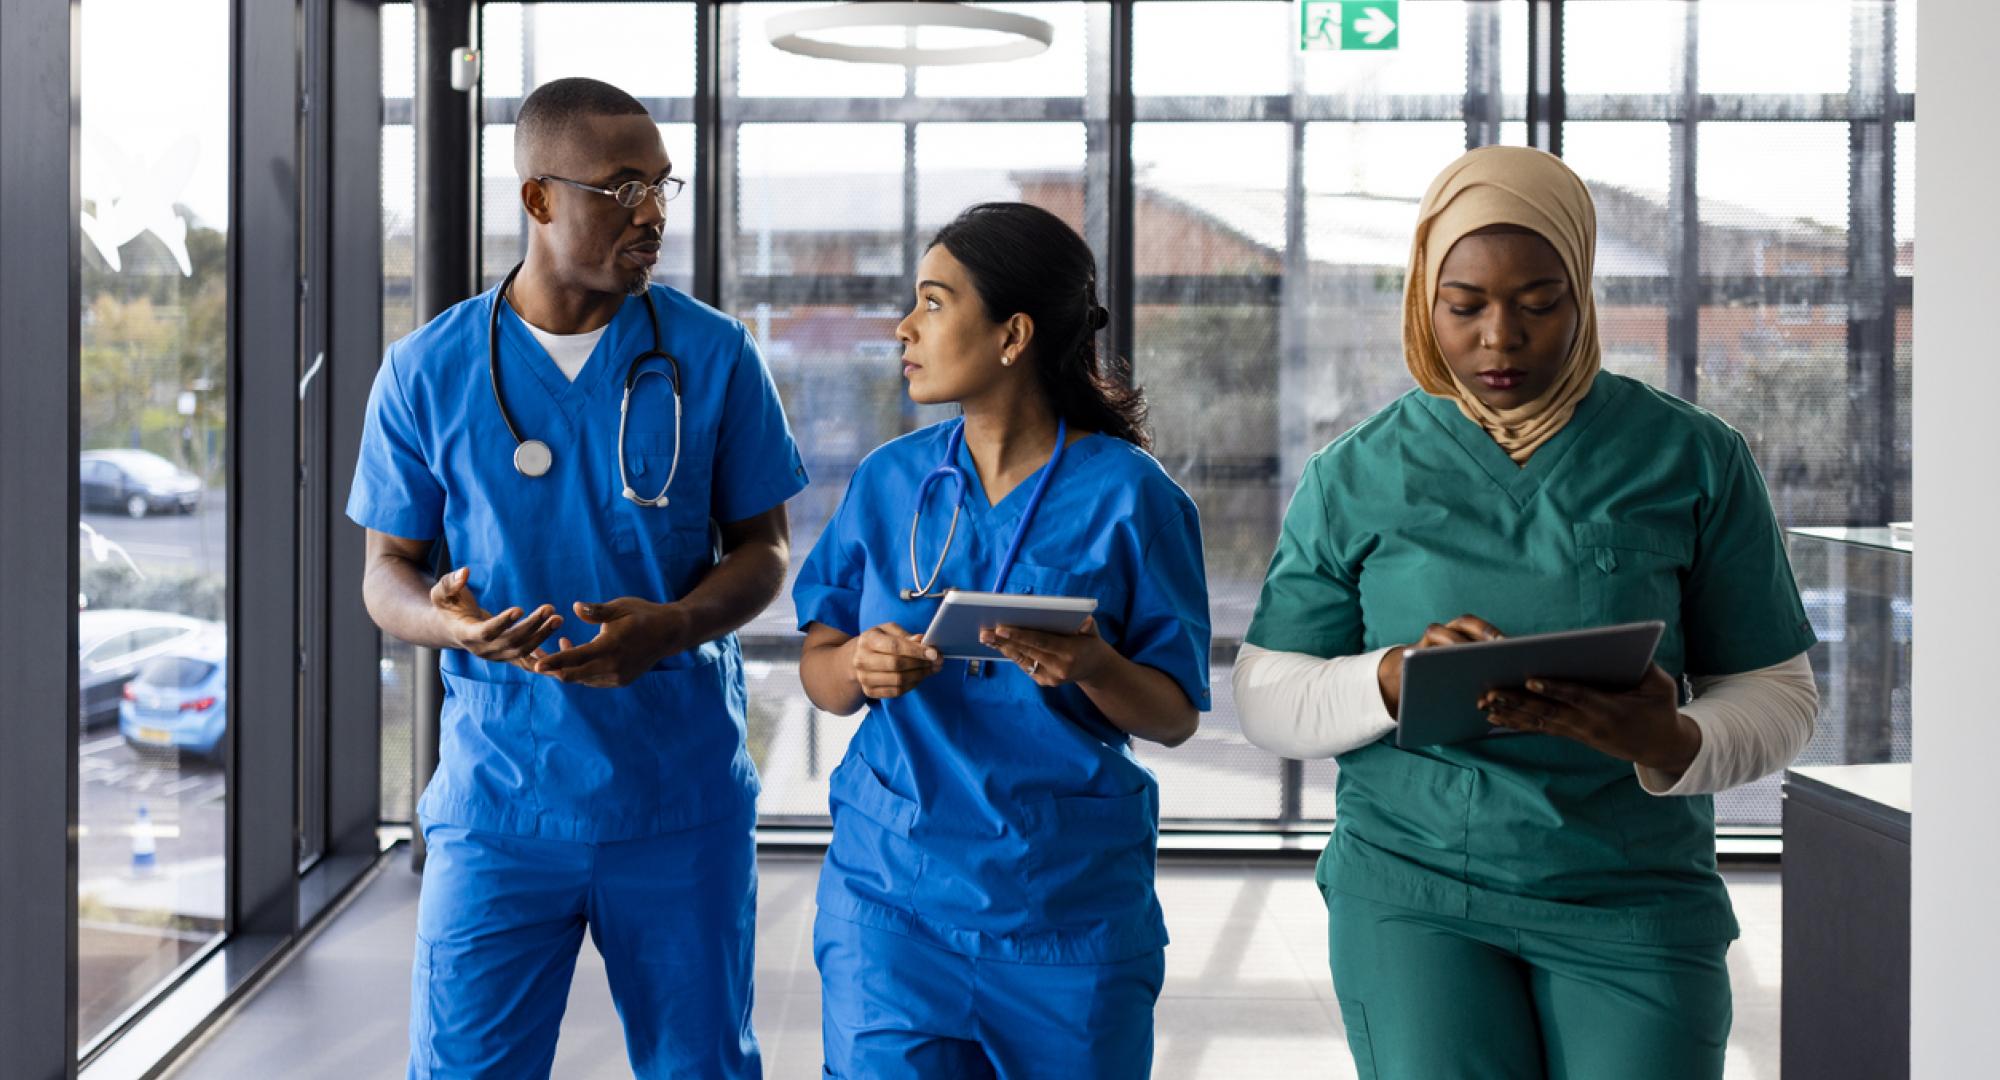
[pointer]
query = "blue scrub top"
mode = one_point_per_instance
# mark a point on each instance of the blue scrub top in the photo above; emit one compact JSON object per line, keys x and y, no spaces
{"x":981,"y":812}
{"x":522,"y":753}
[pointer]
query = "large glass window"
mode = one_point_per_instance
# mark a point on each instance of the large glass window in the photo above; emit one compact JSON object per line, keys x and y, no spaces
{"x":152,"y":541}
{"x":526,"y":45}
{"x":1754,"y":243}
{"x":1750,"y":215}
{"x":1275,"y":196}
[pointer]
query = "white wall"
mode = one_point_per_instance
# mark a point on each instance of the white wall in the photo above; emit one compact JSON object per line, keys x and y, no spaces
{"x":1956,"y":817}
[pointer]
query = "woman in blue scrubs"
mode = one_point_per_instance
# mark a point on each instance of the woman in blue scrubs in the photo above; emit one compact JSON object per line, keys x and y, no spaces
{"x":986,"y":907}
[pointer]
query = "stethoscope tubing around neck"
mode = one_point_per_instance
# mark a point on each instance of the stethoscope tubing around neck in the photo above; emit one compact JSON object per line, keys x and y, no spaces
{"x":949,"y":469}
{"x":633,"y":374}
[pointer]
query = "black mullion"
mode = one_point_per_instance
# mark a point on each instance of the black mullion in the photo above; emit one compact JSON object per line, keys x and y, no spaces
{"x":263,"y":437}
{"x":315,"y":154}
{"x":353,"y":349}
{"x":1547,"y":101}
{"x":39,"y":398}
{"x":1684,"y":217}
{"x":1294,"y":329}
{"x":708,"y":133}
{"x":1867,"y":675}
{"x":1483,"y":102}
{"x":1121,"y":184}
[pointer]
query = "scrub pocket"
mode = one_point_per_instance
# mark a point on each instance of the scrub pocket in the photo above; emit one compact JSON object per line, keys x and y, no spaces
{"x":1089,"y":857}
{"x":1049,"y":581}
{"x":1354,"y":1018}
{"x":487,"y":742}
{"x":871,"y":830}
{"x":1401,"y":800}
{"x":1626,"y":573}
{"x":683,"y":524}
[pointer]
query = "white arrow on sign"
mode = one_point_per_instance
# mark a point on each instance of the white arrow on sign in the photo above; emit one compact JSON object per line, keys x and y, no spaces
{"x":1374,"y":25}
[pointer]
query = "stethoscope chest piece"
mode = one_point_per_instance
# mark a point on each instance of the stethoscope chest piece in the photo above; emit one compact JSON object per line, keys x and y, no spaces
{"x":532,"y":458}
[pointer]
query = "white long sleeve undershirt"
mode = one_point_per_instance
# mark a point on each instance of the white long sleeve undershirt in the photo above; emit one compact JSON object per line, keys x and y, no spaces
{"x":1301,"y":706}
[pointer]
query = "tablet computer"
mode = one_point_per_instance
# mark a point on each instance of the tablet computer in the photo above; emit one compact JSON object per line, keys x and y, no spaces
{"x":1442,"y":686}
{"x":954,"y":630}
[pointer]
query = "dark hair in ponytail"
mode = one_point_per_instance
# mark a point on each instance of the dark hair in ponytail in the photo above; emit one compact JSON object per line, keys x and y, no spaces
{"x":1025,"y":260}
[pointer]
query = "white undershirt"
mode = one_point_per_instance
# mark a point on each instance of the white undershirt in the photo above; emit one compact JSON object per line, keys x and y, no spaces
{"x":569,"y":351}
{"x":1301,"y":706}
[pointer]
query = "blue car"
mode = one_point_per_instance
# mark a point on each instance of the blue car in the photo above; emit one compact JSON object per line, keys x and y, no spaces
{"x":180,"y":700}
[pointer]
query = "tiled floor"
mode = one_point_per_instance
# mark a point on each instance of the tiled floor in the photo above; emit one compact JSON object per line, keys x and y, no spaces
{"x":1247,"y":994}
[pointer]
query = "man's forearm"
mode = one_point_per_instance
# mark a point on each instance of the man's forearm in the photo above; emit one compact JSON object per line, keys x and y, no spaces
{"x":735,"y":591}
{"x":397,"y":593}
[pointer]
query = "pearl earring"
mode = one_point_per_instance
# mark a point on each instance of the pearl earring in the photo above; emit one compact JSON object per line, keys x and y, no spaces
{"x":1006,"y":361}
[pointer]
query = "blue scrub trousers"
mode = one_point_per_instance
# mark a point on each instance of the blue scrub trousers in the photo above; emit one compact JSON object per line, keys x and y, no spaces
{"x":893,"y":1008}
{"x":1426,"y":996}
{"x":500,"y":921}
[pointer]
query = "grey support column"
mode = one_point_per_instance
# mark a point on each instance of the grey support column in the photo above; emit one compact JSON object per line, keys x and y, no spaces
{"x":38,"y":513}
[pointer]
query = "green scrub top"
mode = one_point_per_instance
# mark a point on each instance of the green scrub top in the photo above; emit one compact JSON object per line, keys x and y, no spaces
{"x":1642,"y":507}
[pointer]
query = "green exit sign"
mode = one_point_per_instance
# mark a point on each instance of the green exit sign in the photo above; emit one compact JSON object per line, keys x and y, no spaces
{"x":1349,"y":25}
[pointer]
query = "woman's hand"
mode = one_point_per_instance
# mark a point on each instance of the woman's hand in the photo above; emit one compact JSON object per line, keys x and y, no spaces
{"x":1642,"y":725}
{"x":1460,"y":631}
{"x":889,"y":661}
{"x":1053,"y":659}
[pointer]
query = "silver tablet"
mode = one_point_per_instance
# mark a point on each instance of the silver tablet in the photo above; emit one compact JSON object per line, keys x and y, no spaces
{"x":1442,"y":686}
{"x":954,"y":630}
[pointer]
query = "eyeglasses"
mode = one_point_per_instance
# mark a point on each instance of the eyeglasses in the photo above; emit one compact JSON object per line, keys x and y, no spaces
{"x":630,"y":193}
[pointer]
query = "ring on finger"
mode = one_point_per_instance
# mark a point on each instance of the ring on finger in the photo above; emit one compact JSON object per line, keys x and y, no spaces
{"x":1034,"y":667}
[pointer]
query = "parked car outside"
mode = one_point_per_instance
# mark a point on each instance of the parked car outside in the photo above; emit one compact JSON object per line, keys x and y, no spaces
{"x":180,"y":699}
{"x":112,"y":644}
{"x":138,"y":482}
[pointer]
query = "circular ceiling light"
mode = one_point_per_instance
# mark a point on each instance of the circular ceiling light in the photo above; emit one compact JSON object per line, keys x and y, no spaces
{"x":1019,"y":36}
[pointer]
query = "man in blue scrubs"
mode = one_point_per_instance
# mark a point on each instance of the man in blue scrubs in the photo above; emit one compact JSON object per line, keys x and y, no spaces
{"x":606,"y":463}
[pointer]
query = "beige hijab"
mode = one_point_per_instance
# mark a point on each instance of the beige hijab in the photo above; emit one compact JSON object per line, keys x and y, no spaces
{"x":1505,"y":185}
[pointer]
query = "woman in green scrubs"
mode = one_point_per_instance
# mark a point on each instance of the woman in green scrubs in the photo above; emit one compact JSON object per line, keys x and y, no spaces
{"x":1544,"y":905}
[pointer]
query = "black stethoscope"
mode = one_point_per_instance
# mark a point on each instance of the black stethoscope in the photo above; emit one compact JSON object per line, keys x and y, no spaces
{"x":948,"y":469}
{"x":532,"y":457}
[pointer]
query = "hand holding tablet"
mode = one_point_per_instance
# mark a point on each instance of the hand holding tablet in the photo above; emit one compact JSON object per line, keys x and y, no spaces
{"x":955,"y":629}
{"x":1442,"y":688}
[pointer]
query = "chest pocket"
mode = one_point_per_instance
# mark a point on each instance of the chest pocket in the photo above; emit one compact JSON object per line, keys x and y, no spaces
{"x":1002,"y":680}
{"x":1626,"y":573}
{"x":681,"y":525}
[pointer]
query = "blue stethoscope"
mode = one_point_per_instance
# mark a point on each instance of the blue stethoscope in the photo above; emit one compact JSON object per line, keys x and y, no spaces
{"x":948,"y":469}
{"x":532,"y":457}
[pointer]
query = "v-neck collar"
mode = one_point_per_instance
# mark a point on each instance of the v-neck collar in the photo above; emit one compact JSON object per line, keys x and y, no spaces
{"x":568,"y":394}
{"x":1008,"y":509}
{"x":1520,"y":482}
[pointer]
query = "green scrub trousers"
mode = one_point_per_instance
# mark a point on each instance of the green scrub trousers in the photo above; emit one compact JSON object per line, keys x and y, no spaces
{"x":1428,"y":997}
